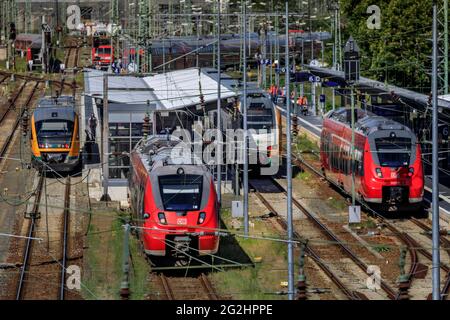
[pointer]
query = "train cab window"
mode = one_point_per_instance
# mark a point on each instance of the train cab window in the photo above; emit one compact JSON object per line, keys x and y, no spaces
{"x":393,"y":151}
{"x":54,"y":133}
{"x":336,"y":115}
{"x":181,"y":192}
{"x":104,"y":51}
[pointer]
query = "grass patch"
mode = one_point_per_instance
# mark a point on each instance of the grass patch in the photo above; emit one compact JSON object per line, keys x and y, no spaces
{"x":304,"y":145}
{"x":381,"y":248}
{"x":304,"y":176}
{"x":337,"y":204}
{"x":367,"y":224}
{"x":103,"y":261}
{"x":258,"y":283}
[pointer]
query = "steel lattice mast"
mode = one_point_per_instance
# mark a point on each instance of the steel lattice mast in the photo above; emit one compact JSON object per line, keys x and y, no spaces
{"x":115,"y":20}
{"x":28,"y":16}
{"x":443,"y":71}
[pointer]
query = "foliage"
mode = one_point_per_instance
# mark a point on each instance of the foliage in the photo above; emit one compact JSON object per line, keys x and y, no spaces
{"x":399,"y":51}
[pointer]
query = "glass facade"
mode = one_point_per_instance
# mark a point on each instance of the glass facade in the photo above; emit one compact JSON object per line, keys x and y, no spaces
{"x":123,"y":136}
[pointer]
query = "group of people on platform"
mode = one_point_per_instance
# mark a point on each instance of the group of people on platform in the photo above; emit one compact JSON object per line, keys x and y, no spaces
{"x":301,"y":101}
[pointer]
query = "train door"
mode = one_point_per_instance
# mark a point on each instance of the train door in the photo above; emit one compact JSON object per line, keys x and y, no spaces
{"x":29,"y":54}
{"x":358,"y":167}
{"x":334,"y":151}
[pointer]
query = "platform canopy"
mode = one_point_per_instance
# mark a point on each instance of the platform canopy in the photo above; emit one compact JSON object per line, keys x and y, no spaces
{"x":169,"y":91}
{"x":419,"y":98}
{"x":123,"y":89}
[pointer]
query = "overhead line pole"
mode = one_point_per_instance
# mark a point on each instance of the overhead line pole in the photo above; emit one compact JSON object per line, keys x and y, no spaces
{"x":219,"y":107}
{"x":435,"y":165}
{"x":445,"y":47}
{"x":105,"y":160}
{"x":289,"y":164}
{"x":244,"y":106}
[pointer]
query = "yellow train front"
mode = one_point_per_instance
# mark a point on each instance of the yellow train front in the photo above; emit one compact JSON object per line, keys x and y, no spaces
{"x":55,"y":142}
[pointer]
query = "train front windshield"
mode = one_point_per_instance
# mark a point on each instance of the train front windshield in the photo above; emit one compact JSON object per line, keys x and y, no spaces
{"x":181,"y":192}
{"x":54,"y":133}
{"x":104,"y":51}
{"x":259,"y":117}
{"x":393,"y":151}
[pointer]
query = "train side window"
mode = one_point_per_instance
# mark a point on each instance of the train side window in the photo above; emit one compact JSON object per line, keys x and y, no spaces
{"x":332,"y":156}
{"x":361,"y":164}
{"x":335,"y":154}
{"x":343,"y":161}
{"x":141,"y":202}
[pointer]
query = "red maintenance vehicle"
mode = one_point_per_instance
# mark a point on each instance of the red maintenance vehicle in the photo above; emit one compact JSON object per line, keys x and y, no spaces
{"x":30,"y":45}
{"x":387,"y":162}
{"x":102,"y":51}
{"x":174,"y":203}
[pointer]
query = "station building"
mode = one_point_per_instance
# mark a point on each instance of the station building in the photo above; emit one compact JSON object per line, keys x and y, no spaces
{"x":175,"y":99}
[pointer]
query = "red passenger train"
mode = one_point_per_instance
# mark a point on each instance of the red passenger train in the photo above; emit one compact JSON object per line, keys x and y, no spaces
{"x":387,"y":164}
{"x":174,"y":202}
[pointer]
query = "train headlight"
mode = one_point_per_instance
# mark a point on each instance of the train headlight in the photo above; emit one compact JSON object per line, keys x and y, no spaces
{"x":180,"y":171}
{"x":146,"y":215}
{"x":379,"y":173}
{"x":411,"y":172}
{"x":201,"y":217}
{"x":162,"y":218}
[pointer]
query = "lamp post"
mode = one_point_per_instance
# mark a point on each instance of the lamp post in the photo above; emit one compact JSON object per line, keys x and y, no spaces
{"x":291,"y":289}
{"x":435,"y":163}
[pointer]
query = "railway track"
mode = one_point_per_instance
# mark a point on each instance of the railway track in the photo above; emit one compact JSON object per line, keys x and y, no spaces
{"x":71,"y":63}
{"x":71,"y":58}
{"x":310,"y":250}
{"x":40,"y":264}
{"x":445,"y":243}
{"x":34,"y":78}
{"x":28,"y":246}
{"x":185,"y":288}
{"x":414,"y":248}
{"x":13,"y":122}
{"x":3,"y":79}
{"x":334,"y":273}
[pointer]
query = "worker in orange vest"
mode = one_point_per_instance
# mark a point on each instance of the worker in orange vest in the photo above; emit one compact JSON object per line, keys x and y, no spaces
{"x":304,"y":105}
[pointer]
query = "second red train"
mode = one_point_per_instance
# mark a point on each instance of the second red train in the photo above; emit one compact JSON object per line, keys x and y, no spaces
{"x":387,"y":163}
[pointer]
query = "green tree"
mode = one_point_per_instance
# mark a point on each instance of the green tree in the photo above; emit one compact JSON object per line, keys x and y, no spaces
{"x":399,"y":52}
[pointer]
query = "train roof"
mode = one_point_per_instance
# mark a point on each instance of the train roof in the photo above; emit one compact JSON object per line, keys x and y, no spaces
{"x":62,"y":108}
{"x":159,"y":152}
{"x":366,"y":122}
{"x":31,"y":37}
{"x":32,"y":40}
{"x":61,"y":101}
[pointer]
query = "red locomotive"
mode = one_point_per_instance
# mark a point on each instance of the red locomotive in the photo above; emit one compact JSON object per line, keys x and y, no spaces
{"x":31,"y":46}
{"x":174,"y":205}
{"x":103,"y":56}
{"x":102,"y":50}
{"x":387,"y":159}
